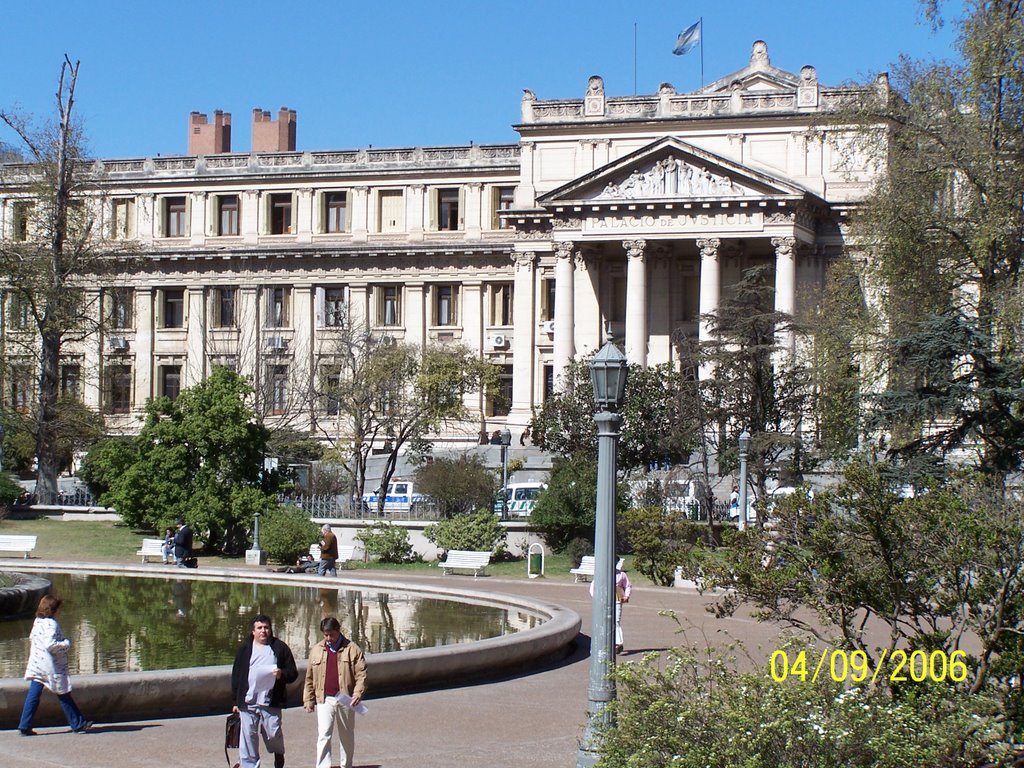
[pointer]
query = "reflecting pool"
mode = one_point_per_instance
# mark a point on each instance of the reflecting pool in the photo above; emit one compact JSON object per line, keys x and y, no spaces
{"x":123,"y":623}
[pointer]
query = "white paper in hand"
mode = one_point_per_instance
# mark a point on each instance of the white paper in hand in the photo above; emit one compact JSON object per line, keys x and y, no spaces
{"x":359,"y":709}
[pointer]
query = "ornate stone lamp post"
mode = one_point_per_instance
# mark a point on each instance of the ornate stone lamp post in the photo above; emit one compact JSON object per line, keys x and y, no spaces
{"x":608,"y":375}
{"x":744,"y":444}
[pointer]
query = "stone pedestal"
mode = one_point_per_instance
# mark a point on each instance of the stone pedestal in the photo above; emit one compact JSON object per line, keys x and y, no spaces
{"x":255,"y":557}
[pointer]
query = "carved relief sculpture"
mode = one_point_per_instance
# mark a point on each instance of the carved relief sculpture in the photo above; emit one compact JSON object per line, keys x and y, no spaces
{"x":672,"y":177}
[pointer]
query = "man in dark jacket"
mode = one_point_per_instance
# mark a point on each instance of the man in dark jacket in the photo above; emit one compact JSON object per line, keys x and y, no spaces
{"x":182,"y":542}
{"x":263,"y":668}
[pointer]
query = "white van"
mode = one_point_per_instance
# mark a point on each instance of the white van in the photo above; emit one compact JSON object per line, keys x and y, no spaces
{"x":522,"y":497}
{"x":400,"y":497}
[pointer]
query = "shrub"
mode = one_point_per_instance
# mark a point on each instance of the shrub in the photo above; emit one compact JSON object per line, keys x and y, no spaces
{"x":565,"y":509}
{"x":387,"y":543}
{"x":286,"y":533}
{"x":458,"y":485}
{"x":579,"y":548}
{"x":659,"y":540}
{"x":478,"y":532}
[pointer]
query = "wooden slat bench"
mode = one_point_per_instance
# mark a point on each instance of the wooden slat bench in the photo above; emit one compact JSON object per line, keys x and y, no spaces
{"x":346,"y":553}
{"x":585,"y":571}
{"x":23,"y":544}
{"x":461,"y":559}
{"x":151,"y":548}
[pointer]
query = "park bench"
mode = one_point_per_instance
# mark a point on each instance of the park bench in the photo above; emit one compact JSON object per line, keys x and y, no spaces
{"x":585,"y":571}
{"x":151,"y":548}
{"x":461,"y":559}
{"x":346,"y":553}
{"x":23,"y":544}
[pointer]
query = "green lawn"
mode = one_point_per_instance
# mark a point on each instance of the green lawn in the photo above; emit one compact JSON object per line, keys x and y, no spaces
{"x":103,"y":541}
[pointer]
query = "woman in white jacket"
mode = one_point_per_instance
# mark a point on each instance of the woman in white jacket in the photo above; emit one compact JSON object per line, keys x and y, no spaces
{"x":48,"y":666}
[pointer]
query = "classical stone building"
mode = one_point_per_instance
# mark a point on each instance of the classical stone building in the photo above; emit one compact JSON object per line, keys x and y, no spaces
{"x":622,"y":216}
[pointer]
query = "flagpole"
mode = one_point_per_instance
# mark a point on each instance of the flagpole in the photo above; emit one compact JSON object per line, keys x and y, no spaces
{"x":634,"y":58}
{"x":701,"y":20}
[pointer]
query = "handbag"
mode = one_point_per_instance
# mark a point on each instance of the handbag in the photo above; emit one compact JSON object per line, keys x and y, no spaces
{"x":232,"y":733}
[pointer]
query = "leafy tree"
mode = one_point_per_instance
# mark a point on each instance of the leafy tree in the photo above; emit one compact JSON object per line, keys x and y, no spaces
{"x":942,"y":240}
{"x":286,"y":532}
{"x":459,"y":486}
{"x":565,"y":509}
{"x":657,"y":539}
{"x":393,"y":396}
{"x":753,"y":383}
{"x":479,"y":532}
{"x":656,"y":425}
{"x":78,"y":427}
{"x":199,"y":457}
{"x":46,"y":267}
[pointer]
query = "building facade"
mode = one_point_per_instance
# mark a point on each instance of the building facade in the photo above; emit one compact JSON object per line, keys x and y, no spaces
{"x":623,"y":217}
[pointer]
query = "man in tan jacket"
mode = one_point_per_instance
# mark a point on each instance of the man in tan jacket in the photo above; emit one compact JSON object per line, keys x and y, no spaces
{"x":335,"y":684}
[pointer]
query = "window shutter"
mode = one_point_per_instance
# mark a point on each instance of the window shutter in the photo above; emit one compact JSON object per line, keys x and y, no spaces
{"x":161,"y":217}
{"x":432,"y":206}
{"x":321,"y":213}
{"x":462,"y":207}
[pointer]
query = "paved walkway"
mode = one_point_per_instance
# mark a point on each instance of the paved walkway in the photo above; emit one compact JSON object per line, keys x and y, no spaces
{"x":531,"y":720}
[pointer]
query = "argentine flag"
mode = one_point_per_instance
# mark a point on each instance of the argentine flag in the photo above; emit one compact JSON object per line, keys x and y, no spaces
{"x":687,"y":40}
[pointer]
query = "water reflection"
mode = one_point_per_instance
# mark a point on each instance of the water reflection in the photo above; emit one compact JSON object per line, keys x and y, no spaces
{"x":120,"y":623}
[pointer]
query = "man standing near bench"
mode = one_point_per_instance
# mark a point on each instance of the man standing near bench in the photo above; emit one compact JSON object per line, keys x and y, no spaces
{"x":328,"y":552}
{"x":182,"y":543}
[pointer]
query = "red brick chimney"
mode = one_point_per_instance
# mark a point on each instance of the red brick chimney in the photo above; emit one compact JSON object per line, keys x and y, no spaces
{"x":273,"y":135}
{"x":207,"y":139}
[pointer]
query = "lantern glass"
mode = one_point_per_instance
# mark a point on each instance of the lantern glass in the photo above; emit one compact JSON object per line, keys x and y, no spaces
{"x":608,"y":377}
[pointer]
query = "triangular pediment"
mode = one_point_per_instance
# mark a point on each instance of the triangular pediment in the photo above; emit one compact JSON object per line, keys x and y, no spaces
{"x":671,"y":169}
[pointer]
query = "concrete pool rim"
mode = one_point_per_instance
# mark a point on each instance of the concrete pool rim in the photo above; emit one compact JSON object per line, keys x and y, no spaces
{"x":120,"y":696}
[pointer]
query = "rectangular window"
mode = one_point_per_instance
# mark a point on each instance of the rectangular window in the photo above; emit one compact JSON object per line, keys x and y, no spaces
{"x":228,"y":207}
{"x":19,"y":312}
{"x":172,"y":307}
{"x":331,"y":377}
{"x":224,"y":307}
{"x":335,"y":212}
{"x":119,"y":389}
{"x":549,"y":381}
{"x":170,"y":381}
{"x":119,"y":307}
{"x":278,"y":380}
{"x":21,"y":214}
{"x":499,"y":304}
{"x":504,"y":198}
{"x":335,"y":307}
{"x":445,"y":299}
{"x":277,"y":306}
{"x":391,"y":211}
{"x":123,"y":220}
{"x":448,"y":210}
{"x":21,"y":389}
{"x":175,"y":217}
{"x":547,"y":299}
{"x":500,"y":399}
{"x":71,"y":380}
{"x":280,"y":213}
{"x":389,"y":304}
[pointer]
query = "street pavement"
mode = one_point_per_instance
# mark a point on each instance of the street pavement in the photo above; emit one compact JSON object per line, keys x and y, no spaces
{"x":533,"y":719}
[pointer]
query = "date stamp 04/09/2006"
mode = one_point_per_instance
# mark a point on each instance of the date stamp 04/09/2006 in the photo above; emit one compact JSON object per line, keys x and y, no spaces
{"x":858,"y":667}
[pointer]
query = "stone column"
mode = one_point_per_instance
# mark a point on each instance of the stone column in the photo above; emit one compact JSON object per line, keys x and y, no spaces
{"x":195,"y":338}
{"x":525,"y":192}
{"x":565,"y":314}
{"x":588,"y":329}
{"x":474,"y":210}
{"x":417,"y":217}
{"x":142,"y":351}
{"x":525,"y":324}
{"x":249,"y":338}
{"x":636,"y":302}
{"x":415,"y":315}
{"x":710,"y":283}
{"x":92,"y":370}
{"x":305,"y":221}
{"x":785,"y":286}
{"x":197,"y":218}
{"x":360,"y":213}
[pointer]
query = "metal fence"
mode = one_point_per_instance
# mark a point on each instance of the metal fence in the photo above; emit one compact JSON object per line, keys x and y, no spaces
{"x":80,"y":497}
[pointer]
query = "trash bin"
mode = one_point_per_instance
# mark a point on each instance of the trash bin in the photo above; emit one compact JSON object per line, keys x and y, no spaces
{"x":535,"y":562}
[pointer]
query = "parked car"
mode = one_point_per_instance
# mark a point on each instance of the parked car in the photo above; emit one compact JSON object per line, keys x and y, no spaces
{"x":522,"y":497}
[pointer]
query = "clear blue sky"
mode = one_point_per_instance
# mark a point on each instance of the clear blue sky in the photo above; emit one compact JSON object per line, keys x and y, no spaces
{"x":411,"y":72}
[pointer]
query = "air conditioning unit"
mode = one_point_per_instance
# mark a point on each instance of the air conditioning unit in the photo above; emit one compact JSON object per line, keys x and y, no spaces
{"x":277,"y":343}
{"x":118,"y":343}
{"x":549,"y":326}
{"x":499,"y":341}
